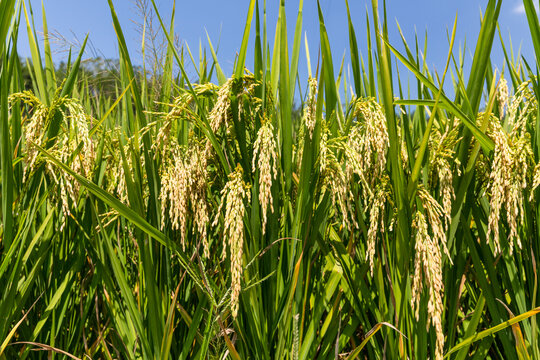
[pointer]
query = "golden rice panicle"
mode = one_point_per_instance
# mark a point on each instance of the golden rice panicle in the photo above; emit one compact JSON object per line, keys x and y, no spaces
{"x":442,"y":145}
{"x":517,"y":115}
{"x":337,"y":183}
{"x":175,"y":192}
{"x":34,"y":129}
{"x":163,"y":139}
{"x":536,"y":180}
{"x":265,"y":160}
{"x":367,"y":145}
{"x":355,"y":163}
{"x":404,"y":153}
{"x":179,"y":111}
{"x":83,"y":163}
{"x":509,"y":174}
{"x":183,"y":101}
{"x":499,"y":182}
{"x":184,"y":184}
{"x":335,"y":180}
{"x":248,"y":83}
{"x":298,"y":148}
{"x":164,"y":194}
{"x":435,"y":216}
{"x":233,"y":195}
{"x":515,"y":212}
{"x":77,"y":131}
{"x":197,"y":193}
{"x":66,"y":148}
{"x":309,"y":121}
{"x":366,"y":153}
{"x":375,"y":141}
{"x":309,"y":115}
{"x":121,"y":187}
{"x":446,"y":190}
{"x":66,"y":192}
{"x":179,"y":195}
{"x":502,"y":95}
{"x":376,"y":221}
{"x":323,"y":149}
{"x":421,"y":248}
{"x":428,"y":270}
{"x":81,"y":160}
{"x":219,"y":115}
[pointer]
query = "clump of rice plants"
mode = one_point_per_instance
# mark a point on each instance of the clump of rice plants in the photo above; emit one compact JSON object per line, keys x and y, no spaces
{"x":202,"y":220}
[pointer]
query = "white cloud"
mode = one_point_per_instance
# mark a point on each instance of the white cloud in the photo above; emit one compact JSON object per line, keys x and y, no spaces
{"x":519,"y":9}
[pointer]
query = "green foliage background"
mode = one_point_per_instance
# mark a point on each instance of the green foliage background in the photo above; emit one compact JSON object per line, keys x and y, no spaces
{"x":103,"y":274}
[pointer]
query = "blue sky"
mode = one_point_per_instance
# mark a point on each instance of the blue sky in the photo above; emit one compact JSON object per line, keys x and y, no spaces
{"x":225,"y":19}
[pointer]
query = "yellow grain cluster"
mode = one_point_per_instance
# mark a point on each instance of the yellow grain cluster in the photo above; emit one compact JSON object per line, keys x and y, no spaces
{"x":234,"y":194}
{"x":265,"y":160}
{"x":183,"y":188}
{"x":512,"y":160}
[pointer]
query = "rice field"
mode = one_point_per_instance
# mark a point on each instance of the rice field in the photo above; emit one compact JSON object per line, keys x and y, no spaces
{"x":257,"y":215}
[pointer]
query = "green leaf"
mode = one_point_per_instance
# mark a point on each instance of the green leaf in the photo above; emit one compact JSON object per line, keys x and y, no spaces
{"x":493,"y":330}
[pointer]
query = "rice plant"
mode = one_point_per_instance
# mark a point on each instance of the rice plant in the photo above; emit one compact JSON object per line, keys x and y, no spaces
{"x":203,"y":219}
